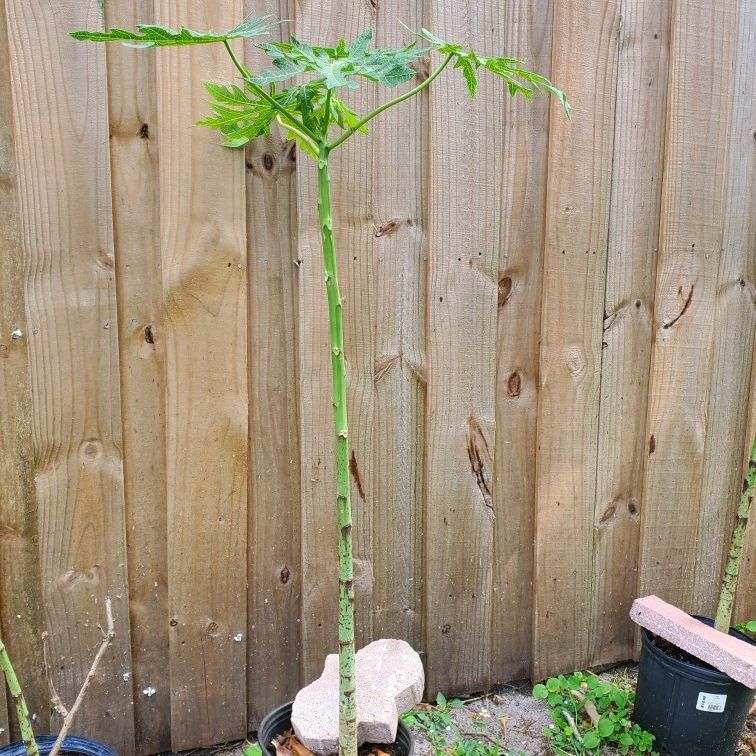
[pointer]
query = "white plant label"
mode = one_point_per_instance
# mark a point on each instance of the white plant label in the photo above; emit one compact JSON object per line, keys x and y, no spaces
{"x":712,"y":702}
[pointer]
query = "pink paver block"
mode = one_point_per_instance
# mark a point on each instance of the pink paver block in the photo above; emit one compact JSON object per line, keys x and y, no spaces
{"x":732,"y":656}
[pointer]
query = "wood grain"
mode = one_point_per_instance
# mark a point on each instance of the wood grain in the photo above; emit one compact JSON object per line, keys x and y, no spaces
{"x":727,"y":415}
{"x":132,"y":108}
{"x":274,"y":546}
{"x":580,"y":166}
{"x":399,"y":166}
{"x":354,"y":232}
{"x":637,"y":162}
{"x":21,"y":613}
{"x":466,"y":154}
{"x":204,"y":256}
{"x":63,"y":168}
{"x":690,"y":255}
{"x":527,"y":30}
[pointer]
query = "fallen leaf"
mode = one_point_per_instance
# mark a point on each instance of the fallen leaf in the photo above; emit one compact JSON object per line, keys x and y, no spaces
{"x":503,"y":721}
{"x":378,"y":752}
{"x":592,"y":712}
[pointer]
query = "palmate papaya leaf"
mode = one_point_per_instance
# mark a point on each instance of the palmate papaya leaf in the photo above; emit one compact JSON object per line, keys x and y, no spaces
{"x":152,"y":35}
{"x":519,"y":79}
{"x":336,"y":66}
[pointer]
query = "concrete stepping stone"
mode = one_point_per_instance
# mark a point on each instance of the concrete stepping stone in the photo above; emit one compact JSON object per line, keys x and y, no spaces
{"x":390,"y":681}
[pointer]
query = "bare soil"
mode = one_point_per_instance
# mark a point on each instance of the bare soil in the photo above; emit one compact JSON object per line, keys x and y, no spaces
{"x":512,"y":716}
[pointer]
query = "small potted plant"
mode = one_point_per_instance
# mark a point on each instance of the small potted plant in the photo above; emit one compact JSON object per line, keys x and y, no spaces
{"x":311,"y":111}
{"x":50,"y":745}
{"x":692,"y":708}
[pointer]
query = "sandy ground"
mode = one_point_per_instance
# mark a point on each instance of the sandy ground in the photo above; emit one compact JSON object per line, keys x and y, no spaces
{"x":512,"y":715}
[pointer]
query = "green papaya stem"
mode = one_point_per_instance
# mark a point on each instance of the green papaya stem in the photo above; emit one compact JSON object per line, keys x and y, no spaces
{"x":735,"y":555}
{"x":347,"y":681}
{"x":27,"y":734}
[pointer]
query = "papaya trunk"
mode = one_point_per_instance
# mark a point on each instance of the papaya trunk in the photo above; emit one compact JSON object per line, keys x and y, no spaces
{"x":347,"y":692}
{"x":735,"y":556}
{"x":27,"y":734}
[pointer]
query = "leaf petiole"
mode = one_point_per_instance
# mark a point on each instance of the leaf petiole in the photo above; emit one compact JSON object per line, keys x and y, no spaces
{"x":390,"y":104}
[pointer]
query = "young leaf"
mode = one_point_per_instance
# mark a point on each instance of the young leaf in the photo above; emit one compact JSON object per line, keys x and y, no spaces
{"x":336,"y":66}
{"x":152,"y":35}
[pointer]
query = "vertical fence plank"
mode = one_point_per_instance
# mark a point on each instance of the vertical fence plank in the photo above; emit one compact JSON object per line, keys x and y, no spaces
{"x":355,"y":237}
{"x":745,"y":598}
{"x":136,"y":232}
{"x":580,"y":163}
{"x":628,"y":311}
{"x":20,"y":583}
{"x":64,"y":188}
{"x":465,"y":176}
{"x":727,"y":415}
{"x":399,"y":163}
{"x":205,"y":293}
{"x":690,"y":252}
{"x":527,"y":28}
{"x":275,"y":582}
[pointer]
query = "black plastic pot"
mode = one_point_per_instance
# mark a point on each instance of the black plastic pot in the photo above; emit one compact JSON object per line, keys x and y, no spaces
{"x":279,"y":720}
{"x":683,"y":704}
{"x":72,"y":746}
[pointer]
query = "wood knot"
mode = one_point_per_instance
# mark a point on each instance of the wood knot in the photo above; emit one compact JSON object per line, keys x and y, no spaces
{"x":505,"y":290}
{"x":575,"y":360}
{"x":144,"y":131}
{"x":149,"y":335}
{"x":388,"y":228}
{"x":284,"y":575}
{"x":514,"y":384}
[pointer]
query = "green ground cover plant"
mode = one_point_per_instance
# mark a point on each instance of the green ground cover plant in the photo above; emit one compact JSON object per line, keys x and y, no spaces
{"x":590,"y":714}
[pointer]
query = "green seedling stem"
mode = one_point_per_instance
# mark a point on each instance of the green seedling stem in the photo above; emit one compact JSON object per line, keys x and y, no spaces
{"x":735,"y":554}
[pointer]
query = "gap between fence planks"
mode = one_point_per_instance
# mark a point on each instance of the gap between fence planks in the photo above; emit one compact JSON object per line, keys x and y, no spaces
{"x":527,"y":30}
{"x":64,"y":196}
{"x":399,"y":162}
{"x":690,"y":255}
{"x":637,"y":163}
{"x":577,"y":224}
{"x":132,"y":107}
{"x":727,"y":414}
{"x":20,"y":585}
{"x":353,"y":227}
{"x":465,"y":135}
{"x":203,"y":247}
{"x":274,"y":539}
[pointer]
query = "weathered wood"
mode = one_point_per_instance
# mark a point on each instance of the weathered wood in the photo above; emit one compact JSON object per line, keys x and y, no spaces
{"x":465,"y":182}
{"x":204,"y":253}
{"x":20,"y":580}
{"x":63,"y":165}
{"x":580,"y":164}
{"x":355,"y":236}
{"x":690,"y":253}
{"x":637,"y":163}
{"x":745,"y":597}
{"x":527,"y":30}
{"x":399,"y":162}
{"x":727,"y":415}
{"x":132,"y":108}
{"x":274,"y":543}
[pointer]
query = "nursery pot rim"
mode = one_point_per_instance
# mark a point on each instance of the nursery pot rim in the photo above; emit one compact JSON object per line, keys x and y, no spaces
{"x":689,"y":669}
{"x":285,"y":709}
{"x":72,"y":746}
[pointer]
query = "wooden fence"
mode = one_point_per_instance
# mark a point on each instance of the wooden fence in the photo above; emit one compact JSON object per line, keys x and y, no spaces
{"x":550,"y":335}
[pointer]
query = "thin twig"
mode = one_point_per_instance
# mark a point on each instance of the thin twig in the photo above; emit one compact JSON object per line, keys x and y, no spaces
{"x":107,"y":638}
{"x":54,"y":697}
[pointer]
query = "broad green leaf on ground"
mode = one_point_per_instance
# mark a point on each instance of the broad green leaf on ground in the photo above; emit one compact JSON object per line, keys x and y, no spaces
{"x":335,"y":66}
{"x":152,"y":35}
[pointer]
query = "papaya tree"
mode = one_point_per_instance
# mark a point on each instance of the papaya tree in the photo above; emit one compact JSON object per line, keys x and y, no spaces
{"x":303,"y":92}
